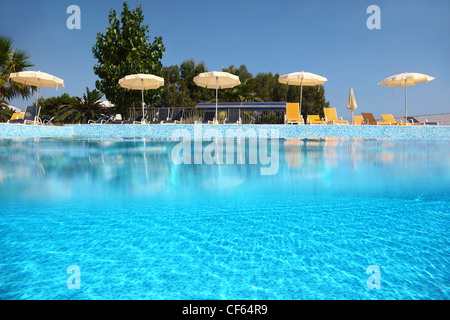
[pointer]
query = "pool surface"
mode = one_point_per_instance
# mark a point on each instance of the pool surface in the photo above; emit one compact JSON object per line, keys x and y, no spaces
{"x":139,"y":226}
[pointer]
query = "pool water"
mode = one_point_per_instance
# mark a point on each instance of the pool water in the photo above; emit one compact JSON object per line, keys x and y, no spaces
{"x":139,"y":226}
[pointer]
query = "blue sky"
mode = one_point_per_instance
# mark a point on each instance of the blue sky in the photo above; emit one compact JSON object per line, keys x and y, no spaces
{"x":329,"y":38}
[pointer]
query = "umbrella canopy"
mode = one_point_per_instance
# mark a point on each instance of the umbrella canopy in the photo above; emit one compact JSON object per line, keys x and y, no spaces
{"x":141,"y":81}
{"x":351,"y":104}
{"x":302,"y":79}
{"x":405,"y":79}
{"x":38,"y":79}
{"x":217,"y":80}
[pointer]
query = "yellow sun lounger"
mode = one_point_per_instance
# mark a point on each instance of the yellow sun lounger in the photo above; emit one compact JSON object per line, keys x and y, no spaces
{"x":293,"y":114}
{"x":331,"y":116}
{"x":358,"y":120}
{"x":370,"y":119}
{"x":17,"y":115}
{"x":314,"y":119}
{"x":390,"y":118}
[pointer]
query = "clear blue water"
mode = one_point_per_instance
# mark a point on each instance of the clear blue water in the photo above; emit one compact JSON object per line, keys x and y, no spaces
{"x":140,"y":227}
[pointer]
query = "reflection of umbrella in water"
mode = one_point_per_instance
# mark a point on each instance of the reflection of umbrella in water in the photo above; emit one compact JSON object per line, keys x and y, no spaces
{"x":38,"y":79}
{"x":216,"y":80}
{"x":141,"y":82}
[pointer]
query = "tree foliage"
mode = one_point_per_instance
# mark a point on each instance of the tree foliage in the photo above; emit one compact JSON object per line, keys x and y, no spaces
{"x":11,"y":60}
{"x":50,"y":106}
{"x":124,"y":49}
{"x":84,"y":109}
{"x":181,"y":91}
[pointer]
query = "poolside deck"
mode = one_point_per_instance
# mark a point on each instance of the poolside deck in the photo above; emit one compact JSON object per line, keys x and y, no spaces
{"x":167,"y":131}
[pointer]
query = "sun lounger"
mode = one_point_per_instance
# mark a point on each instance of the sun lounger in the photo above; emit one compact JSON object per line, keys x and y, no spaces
{"x":47,"y":120}
{"x":233,"y":117}
{"x":208,"y":117}
{"x":370,"y":120}
{"x":102,"y":120}
{"x":293,"y":115}
{"x":416,"y":122}
{"x":358,"y":120}
{"x":162,"y":115}
{"x":332,"y":118}
{"x":314,"y":119}
{"x":31,"y":116}
{"x":17,"y":115}
{"x":390,"y":118}
{"x":177,"y":116}
{"x":138,"y":120}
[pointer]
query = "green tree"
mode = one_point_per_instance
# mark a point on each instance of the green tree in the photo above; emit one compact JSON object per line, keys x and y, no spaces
{"x":245,"y":92}
{"x":86,"y":108}
{"x":180,"y":89}
{"x":313,"y":101}
{"x":188,"y":71}
{"x":124,"y":49}
{"x":50,"y":106}
{"x":174,"y":94}
{"x":11,"y":60}
{"x":5,"y":111}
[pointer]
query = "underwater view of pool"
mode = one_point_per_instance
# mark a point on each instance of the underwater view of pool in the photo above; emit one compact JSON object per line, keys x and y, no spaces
{"x":140,"y":226}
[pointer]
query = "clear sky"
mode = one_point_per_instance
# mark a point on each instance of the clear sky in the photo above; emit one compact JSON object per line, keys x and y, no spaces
{"x":329,"y":38}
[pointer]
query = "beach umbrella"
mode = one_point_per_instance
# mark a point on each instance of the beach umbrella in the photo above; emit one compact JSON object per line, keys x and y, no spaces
{"x":351,"y":104}
{"x":217,"y":80}
{"x":301,"y":79}
{"x":38,"y":79}
{"x":141,"y":82}
{"x":405,"y":79}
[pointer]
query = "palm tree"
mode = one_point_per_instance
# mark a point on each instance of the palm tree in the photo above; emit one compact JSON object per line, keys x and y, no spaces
{"x":5,"y":111}
{"x":86,"y":108}
{"x":11,"y":60}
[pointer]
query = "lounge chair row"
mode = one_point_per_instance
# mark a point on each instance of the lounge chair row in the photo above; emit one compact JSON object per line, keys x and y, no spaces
{"x":389,"y":120}
{"x":30,"y":116}
{"x":293,"y":116}
{"x":162,"y":116}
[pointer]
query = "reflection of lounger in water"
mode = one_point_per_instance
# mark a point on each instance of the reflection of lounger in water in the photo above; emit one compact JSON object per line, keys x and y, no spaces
{"x":293,"y":152}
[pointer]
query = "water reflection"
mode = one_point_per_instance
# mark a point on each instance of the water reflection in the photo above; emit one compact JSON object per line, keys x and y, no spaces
{"x":111,"y":168}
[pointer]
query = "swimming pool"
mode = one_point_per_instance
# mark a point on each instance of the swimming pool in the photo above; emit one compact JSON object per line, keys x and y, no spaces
{"x":139,"y":226}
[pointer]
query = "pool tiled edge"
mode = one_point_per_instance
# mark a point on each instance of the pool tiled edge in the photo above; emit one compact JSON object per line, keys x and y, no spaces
{"x":165,"y":131}
{"x":20,"y":131}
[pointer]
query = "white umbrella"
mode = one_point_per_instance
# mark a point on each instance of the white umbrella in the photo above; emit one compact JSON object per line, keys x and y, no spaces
{"x":301,"y":79}
{"x":141,"y":82}
{"x":351,"y":104}
{"x":405,"y":79}
{"x":37,"y":79}
{"x":217,"y":80}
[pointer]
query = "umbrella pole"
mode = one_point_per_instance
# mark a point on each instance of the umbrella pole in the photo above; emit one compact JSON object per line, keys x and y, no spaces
{"x":142,"y":92}
{"x":406,"y":113}
{"x":37,"y":93}
{"x":301,"y":94}
{"x":217,"y":120}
